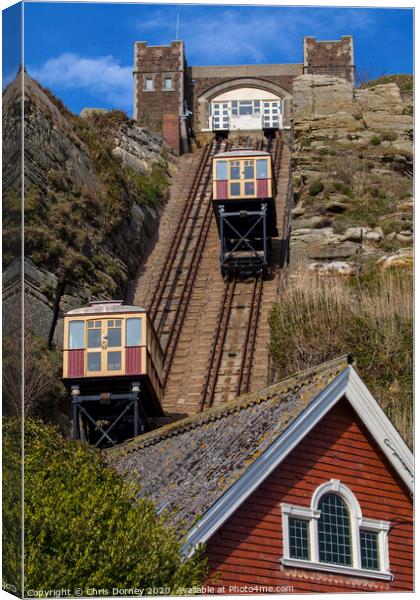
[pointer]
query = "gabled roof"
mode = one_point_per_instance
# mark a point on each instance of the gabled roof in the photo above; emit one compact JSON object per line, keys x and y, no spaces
{"x":202,"y":468}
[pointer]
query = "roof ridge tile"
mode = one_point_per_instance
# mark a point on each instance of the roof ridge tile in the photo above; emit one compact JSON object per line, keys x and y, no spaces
{"x":289,"y":384}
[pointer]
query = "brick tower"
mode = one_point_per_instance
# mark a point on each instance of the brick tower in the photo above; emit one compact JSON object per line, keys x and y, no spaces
{"x":159,"y":91}
{"x":329,"y":57}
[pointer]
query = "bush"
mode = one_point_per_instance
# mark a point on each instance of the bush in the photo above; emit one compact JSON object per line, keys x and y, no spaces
{"x":12,"y":503}
{"x":339,"y":186}
{"x":369,"y":316}
{"x":316,"y":187}
{"x":375,"y":140}
{"x":86,"y":527}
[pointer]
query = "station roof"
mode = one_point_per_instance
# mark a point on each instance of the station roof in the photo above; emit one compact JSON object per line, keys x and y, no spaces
{"x":201,"y":468}
{"x":242,"y":152}
{"x":198,"y":469}
{"x":98,"y":307}
{"x":187,"y":465}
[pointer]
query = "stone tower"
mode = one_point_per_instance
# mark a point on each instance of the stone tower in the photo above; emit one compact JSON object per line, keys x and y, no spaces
{"x":329,"y":57}
{"x":159,"y":91}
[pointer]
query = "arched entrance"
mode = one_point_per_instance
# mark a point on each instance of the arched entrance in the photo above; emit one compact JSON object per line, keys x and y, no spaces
{"x":243,"y":104}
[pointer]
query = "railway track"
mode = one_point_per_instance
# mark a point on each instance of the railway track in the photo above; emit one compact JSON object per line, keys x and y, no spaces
{"x":229,"y":369}
{"x":214,"y":333}
{"x":239,"y":312}
{"x":172,"y":290}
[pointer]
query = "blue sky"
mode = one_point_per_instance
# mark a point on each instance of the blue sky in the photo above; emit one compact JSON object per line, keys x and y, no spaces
{"x":11,"y":41}
{"x":84,"y":52}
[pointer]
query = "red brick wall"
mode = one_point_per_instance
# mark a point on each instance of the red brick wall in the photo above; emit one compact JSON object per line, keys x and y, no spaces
{"x":247,"y":548}
{"x":156,"y":62}
{"x":171,"y":131}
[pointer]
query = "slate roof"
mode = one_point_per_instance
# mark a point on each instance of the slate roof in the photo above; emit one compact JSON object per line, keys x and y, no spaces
{"x":187,"y":465}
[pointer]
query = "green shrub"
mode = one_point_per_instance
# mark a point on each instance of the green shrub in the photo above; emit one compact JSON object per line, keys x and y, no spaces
{"x":339,"y":186}
{"x":87,"y":527}
{"x":12,"y":502}
{"x":316,"y":187}
{"x":375,"y":140}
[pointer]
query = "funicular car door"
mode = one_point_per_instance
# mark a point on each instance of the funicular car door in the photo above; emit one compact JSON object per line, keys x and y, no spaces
{"x":104,"y":347}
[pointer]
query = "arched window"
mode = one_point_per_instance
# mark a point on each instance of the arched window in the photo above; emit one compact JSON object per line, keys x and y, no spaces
{"x":332,"y":535}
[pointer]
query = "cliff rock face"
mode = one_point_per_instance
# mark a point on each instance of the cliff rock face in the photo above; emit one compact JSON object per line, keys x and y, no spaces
{"x":352,"y":174}
{"x":89,"y":211}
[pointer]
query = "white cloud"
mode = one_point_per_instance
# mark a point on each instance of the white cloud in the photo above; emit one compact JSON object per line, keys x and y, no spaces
{"x":251,"y":34}
{"x":102,"y":77}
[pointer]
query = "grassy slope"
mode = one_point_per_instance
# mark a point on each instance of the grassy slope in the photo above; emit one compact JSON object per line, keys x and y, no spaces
{"x":369,"y":314}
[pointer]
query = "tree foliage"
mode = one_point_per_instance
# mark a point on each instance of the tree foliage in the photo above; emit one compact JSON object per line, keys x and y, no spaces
{"x":87,"y":527}
{"x":12,"y":504}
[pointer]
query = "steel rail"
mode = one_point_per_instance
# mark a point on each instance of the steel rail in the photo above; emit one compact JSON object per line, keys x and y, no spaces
{"x":187,"y":288}
{"x":179,"y":234}
{"x":215,"y":362}
{"x":251,"y":334}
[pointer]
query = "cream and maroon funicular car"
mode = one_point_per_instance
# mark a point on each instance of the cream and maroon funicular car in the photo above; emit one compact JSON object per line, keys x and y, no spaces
{"x":244,"y":191}
{"x":112,"y":366}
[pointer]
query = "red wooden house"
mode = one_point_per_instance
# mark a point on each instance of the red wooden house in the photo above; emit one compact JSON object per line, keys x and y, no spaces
{"x":304,"y":486}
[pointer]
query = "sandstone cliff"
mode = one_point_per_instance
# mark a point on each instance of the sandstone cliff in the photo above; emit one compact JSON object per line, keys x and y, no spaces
{"x":94,"y":186}
{"x":350,"y":286}
{"x":352,"y":175}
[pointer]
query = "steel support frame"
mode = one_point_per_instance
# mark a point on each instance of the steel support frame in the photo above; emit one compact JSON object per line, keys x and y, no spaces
{"x":225,"y":225}
{"x":80,"y":406}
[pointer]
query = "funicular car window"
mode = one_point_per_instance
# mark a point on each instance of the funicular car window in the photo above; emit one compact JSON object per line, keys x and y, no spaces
{"x":249,"y":169}
{"x":235,"y":189}
{"x":235,"y":172}
{"x":262,"y":168}
{"x":94,"y":361}
{"x":114,"y":333}
{"x":133,"y":332}
{"x":249,"y":188}
{"x":76,"y":335}
{"x":94,"y":334}
{"x":221,"y":170}
{"x":114,"y":361}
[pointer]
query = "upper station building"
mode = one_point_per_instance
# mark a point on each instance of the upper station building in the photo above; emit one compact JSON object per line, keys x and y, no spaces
{"x":183,"y":101}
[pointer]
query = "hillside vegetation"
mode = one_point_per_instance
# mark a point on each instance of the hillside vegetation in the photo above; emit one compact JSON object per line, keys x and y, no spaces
{"x":351,"y":283}
{"x":71,"y":227}
{"x":94,"y":188}
{"x":369,"y":316}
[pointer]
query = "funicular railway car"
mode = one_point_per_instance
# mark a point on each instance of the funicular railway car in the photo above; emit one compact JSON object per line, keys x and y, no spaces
{"x":112,"y":366}
{"x":244,"y":192}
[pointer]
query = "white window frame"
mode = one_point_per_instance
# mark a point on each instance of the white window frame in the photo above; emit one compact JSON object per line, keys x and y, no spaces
{"x":146,"y":79}
{"x":171,"y":79}
{"x":357,"y":522}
